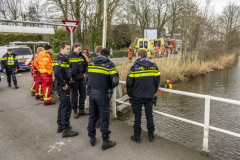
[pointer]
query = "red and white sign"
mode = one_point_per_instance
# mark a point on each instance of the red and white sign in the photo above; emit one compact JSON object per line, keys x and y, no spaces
{"x":71,"y":23}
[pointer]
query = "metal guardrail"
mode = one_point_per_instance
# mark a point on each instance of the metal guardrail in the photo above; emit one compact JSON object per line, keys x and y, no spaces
{"x":40,"y":23}
{"x":206,"y":125}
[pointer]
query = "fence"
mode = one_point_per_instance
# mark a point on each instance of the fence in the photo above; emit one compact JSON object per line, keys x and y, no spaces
{"x":205,"y":126}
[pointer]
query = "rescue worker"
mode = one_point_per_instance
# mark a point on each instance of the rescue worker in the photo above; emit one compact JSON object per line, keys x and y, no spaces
{"x":162,"y":51}
{"x":152,"y":52}
{"x":156,"y":51}
{"x":168,"y":84}
{"x":43,"y":64}
{"x":130,"y":54}
{"x":102,"y":78}
{"x":9,"y":64}
{"x":36,"y":77}
{"x":62,"y":74}
{"x":78,"y":65}
{"x":142,"y":84}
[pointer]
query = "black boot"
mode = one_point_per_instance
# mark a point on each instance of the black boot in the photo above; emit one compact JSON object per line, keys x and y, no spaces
{"x":59,"y":129}
{"x":75,"y":114}
{"x":51,"y":103}
{"x":68,"y":133}
{"x":9,"y":84}
{"x":82,"y":112}
{"x":93,"y":141}
{"x":16,"y":86}
{"x":135,"y":138}
{"x":151,"y":137}
{"x":108,"y":144}
{"x":98,"y":124}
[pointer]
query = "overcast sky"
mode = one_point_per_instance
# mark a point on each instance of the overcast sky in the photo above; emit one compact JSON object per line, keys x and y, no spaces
{"x":219,"y":4}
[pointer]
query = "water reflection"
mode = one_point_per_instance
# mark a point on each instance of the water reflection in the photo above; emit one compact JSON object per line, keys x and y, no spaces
{"x":223,"y":83}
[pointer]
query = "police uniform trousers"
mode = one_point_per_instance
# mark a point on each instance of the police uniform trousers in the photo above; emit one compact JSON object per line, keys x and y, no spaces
{"x":99,"y":105}
{"x":64,"y":109}
{"x":47,"y":87}
{"x":11,"y":71}
{"x":137,"y":109}
{"x":78,"y":92}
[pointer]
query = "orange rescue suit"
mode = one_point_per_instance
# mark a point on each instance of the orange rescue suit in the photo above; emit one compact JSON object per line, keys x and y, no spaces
{"x":43,"y":62}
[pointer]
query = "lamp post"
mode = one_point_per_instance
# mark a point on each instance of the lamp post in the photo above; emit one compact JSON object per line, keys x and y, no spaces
{"x":104,"y":40}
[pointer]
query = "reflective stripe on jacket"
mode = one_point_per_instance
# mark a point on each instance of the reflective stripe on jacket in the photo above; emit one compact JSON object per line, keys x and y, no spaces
{"x":143,"y":79}
{"x":11,"y":61}
{"x":101,"y":74}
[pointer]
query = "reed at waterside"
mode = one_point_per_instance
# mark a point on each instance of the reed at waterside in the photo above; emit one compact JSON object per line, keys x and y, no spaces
{"x":181,"y":68}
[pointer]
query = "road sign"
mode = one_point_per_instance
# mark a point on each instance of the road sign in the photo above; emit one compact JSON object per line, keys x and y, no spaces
{"x":71,"y":23}
{"x":150,"y":33}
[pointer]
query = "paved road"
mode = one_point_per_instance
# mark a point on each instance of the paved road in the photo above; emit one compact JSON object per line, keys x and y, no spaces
{"x":28,"y":132}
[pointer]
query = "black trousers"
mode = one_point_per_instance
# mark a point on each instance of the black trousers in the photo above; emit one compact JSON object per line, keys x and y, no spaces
{"x":99,"y":105}
{"x":11,"y":72}
{"x":137,"y":109}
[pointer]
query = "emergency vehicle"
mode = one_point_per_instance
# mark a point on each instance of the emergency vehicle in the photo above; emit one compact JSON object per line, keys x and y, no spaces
{"x":23,"y":53}
{"x":144,"y":43}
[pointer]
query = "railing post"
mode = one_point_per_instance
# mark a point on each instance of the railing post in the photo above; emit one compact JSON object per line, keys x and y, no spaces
{"x":114,"y":104}
{"x":206,"y":124}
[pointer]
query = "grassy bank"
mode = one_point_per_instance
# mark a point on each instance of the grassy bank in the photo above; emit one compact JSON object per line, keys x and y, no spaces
{"x":181,"y":69}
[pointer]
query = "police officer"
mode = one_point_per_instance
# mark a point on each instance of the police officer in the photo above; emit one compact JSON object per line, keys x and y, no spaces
{"x":78,"y":64}
{"x":63,"y":74}
{"x":9,"y":65}
{"x":102,"y":77}
{"x":98,"y":51}
{"x":142,"y":84}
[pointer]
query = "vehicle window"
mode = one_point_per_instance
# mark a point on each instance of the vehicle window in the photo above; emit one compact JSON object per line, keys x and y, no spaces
{"x":141,"y":44}
{"x":146,"y":44}
{"x":158,"y":43}
{"x":22,"y":51}
{"x":169,"y":43}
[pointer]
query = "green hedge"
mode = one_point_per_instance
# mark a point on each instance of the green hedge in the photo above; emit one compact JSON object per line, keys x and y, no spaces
{"x":8,"y":37}
{"x":120,"y":53}
{"x":115,"y":54}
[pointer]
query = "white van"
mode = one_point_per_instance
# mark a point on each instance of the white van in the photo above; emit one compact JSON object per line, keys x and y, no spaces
{"x":24,"y":55}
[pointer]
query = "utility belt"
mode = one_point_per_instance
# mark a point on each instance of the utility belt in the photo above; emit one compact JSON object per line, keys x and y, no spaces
{"x":109,"y":92}
{"x":10,"y":67}
{"x":58,"y":84}
{"x":80,"y":73}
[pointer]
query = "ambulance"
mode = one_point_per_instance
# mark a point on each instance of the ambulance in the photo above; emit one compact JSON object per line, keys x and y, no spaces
{"x":144,"y":43}
{"x":24,"y":55}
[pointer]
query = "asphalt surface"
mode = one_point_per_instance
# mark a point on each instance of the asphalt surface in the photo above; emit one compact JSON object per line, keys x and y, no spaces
{"x":28,"y":132}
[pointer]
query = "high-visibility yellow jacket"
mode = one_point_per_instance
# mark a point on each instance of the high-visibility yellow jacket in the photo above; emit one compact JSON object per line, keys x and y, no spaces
{"x":43,"y":62}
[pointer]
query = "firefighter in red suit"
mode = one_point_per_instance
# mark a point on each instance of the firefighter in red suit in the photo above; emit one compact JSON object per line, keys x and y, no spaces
{"x":36,"y":88}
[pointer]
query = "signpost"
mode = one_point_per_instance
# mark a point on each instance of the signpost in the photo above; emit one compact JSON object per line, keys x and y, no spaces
{"x":70,"y":29}
{"x":150,"y":33}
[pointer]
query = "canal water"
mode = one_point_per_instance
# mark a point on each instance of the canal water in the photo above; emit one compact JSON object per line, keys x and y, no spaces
{"x":222,"y":83}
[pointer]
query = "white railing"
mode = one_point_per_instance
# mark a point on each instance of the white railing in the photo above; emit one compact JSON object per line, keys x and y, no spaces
{"x":206,"y":112}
